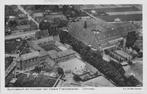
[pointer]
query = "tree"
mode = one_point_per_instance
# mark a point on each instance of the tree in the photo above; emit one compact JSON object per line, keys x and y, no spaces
{"x":60,"y":22}
{"x":65,"y":8}
{"x":140,"y":54}
{"x":131,"y":38}
{"x":130,"y":62}
{"x":44,"y":25}
{"x":117,"y":66}
{"x":85,"y":25}
{"x":133,"y":81}
{"x":136,"y":49}
{"x":44,"y":33}
{"x":37,"y":69}
{"x":53,"y":30}
{"x":12,"y":23}
{"x":60,"y":71}
{"x":37,"y":35}
{"x":77,"y":78}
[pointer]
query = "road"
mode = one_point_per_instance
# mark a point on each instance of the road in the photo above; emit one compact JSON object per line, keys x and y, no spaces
{"x":12,"y":55}
{"x":57,"y":81}
{"x":10,"y":68}
{"x":18,"y":35}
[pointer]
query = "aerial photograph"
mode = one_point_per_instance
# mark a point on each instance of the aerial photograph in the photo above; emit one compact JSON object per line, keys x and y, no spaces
{"x":87,"y":45}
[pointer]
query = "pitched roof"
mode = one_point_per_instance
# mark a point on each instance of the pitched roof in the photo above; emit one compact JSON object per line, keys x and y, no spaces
{"x":29,"y":55}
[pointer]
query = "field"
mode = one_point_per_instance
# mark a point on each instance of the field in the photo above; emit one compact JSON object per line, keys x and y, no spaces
{"x":130,"y":17}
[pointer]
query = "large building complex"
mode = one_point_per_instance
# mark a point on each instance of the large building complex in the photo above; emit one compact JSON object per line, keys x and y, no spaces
{"x":73,"y":45}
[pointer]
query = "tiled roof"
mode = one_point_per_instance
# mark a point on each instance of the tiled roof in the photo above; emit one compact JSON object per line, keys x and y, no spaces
{"x":29,"y":55}
{"x":54,"y":54}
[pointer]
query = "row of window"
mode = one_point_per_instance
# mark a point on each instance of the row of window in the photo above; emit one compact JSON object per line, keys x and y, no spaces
{"x":31,"y":62}
{"x":64,"y":58}
{"x":116,"y":56}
